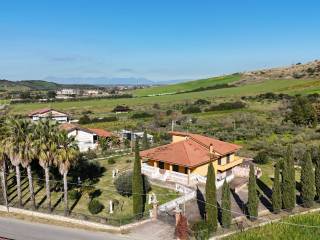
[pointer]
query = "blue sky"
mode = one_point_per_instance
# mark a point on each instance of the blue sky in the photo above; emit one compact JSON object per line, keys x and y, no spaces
{"x":158,"y":40}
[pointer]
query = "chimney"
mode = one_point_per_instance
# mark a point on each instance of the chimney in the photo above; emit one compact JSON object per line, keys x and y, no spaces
{"x":211,"y":149}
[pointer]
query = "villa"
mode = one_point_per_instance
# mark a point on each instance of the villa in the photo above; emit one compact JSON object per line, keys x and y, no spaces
{"x":186,"y":159}
{"x":49,"y":113}
{"x":87,"y":138}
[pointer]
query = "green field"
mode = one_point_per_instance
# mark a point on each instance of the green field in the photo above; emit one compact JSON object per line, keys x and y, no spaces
{"x":304,"y":227}
{"x":103,"y":106}
{"x":187,"y":86}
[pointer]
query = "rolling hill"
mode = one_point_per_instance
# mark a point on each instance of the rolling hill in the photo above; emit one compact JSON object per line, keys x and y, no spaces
{"x":34,"y":85}
{"x":295,"y":74}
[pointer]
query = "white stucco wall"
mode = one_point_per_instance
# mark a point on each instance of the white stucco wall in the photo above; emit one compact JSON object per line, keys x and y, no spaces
{"x":84,"y":139}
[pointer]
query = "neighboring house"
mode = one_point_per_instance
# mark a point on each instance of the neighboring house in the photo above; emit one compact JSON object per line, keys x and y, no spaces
{"x":130,"y":135}
{"x":87,"y":138}
{"x":49,"y":113}
{"x":68,"y":91}
{"x":186,"y":159}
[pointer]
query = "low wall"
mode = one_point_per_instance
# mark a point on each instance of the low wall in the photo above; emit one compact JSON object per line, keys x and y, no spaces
{"x":72,"y":220}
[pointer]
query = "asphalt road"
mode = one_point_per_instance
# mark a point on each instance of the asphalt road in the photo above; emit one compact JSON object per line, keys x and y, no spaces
{"x":23,"y":230}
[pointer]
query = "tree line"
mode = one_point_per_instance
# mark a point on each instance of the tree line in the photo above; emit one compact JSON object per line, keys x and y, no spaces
{"x":23,"y":141}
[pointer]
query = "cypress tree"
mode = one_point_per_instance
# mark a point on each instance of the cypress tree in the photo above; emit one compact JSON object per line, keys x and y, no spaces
{"x":317,"y":175}
{"x":288,"y":181}
{"x":253,"y":199}
{"x":145,"y":141}
{"x":137,"y":184}
{"x":307,"y":181}
{"x":226,"y":205}
{"x":211,"y":200}
{"x":276,"y":190}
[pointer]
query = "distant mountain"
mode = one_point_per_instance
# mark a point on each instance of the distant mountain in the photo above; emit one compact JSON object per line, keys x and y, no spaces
{"x":101,"y":81}
{"x":112,"y":81}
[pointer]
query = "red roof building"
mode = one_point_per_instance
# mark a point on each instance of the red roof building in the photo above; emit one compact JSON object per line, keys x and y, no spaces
{"x":191,"y":153}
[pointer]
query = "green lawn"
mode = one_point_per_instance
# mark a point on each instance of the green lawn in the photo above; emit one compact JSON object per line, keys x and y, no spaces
{"x":122,"y":213}
{"x":297,"y":228}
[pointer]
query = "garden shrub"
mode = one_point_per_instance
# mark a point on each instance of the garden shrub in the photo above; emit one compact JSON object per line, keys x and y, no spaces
{"x":90,"y":154}
{"x":74,"y":194}
{"x":191,"y":109}
{"x":201,"y":230}
{"x":95,"y":206}
{"x":111,"y":161}
{"x":141,"y":115}
{"x":123,"y":184}
{"x":121,"y":108}
{"x":261,"y":158}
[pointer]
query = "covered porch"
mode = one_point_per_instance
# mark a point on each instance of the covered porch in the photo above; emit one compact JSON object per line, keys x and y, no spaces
{"x":189,"y":178}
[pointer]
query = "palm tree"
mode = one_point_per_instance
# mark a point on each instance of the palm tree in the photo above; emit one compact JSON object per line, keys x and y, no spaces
{"x":3,"y":165}
{"x":66,"y":156}
{"x":46,"y":148}
{"x":27,"y":156}
{"x":14,"y":146}
{"x":3,"y":168}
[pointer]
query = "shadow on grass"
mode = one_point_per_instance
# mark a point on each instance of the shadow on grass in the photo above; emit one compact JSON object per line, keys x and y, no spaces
{"x":264,"y":188}
{"x":74,"y":204}
{"x":239,"y":201}
{"x":266,"y":202}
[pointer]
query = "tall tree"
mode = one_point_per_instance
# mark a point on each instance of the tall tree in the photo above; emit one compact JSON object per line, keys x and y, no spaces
{"x":302,"y":112}
{"x":253,"y":199}
{"x":137,"y":184}
{"x":307,"y":181}
{"x":145,"y":141}
{"x":3,"y":169}
{"x":226,"y":205}
{"x":28,"y":154}
{"x":317,"y":174}
{"x":14,"y":148}
{"x":3,"y":159}
{"x":276,"y":190}
{"x":288,"y":181}
{"x":46,"y":146}
{"x":211,"y":200}
{"x":67,"y":154}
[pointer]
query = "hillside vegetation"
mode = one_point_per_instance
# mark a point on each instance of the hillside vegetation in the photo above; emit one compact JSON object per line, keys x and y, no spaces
{"x":25,"y":85}
{"x":188,"y":86}
{"x":294,"y":74}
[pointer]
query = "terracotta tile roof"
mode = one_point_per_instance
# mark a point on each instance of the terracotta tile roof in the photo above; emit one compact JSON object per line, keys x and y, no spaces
{"x":39,"y":111}
{"x":220,"y":147}
{"x":191,"y":152}
{"x":44,"y":110}
{"x":183,"y":153}
{"x":101,"y":132}
{"x":68,"y":126}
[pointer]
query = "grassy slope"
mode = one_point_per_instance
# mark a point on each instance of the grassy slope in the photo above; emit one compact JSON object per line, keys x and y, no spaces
{"x":106,"y":105}
{"x":285,"y":231}
{"x":187,"y":86}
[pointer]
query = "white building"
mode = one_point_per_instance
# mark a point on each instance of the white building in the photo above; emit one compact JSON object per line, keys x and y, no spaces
{"x":49,"y":113}
{"x":68,"y":91}
{"x":125,"y":134}
{"x":87,"y":138}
